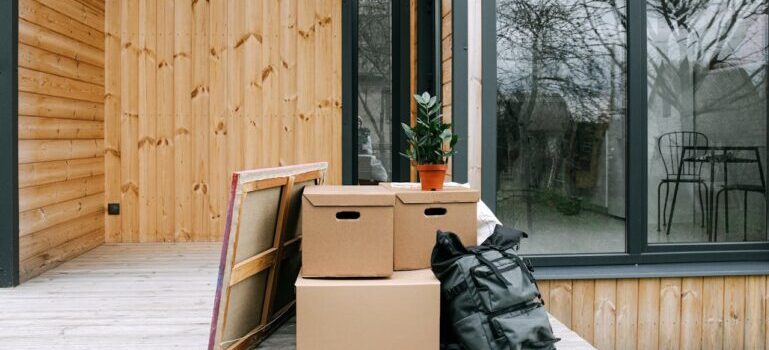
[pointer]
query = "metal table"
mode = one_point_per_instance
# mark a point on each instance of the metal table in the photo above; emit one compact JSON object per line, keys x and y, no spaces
{"x":714,"y":155}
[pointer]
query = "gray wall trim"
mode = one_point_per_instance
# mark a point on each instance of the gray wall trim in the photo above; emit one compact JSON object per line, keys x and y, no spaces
{"x":489,"y":103}
{"x":9,"y":156}
{"x":653,"y":271}
{"x":459,"y":87}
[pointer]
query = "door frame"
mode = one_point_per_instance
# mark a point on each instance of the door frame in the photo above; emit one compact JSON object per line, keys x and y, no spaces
{"x":9,"y":157}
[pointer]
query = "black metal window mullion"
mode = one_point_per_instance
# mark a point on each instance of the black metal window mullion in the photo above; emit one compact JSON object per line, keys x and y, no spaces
{"x":636,"y":172}
{"x":401,"y":99}
{"x":9,"y":185}
{"x":349,"y":91}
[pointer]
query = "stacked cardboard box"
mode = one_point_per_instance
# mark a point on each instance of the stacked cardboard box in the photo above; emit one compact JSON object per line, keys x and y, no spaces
{"x":419,"y":214}
{"x":358,"y":241}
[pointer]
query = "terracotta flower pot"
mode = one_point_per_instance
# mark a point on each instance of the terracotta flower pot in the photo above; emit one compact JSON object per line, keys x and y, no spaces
{"x":431,"y":176}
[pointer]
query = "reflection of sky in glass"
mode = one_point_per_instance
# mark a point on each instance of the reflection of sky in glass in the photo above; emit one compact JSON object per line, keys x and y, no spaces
{"x":734,"y":30}
{"x":688,"y":43}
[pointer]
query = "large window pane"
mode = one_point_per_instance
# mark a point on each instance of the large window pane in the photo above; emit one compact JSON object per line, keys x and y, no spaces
{"x":706,"y":120}
{"x":374,"y":91}
{"x":561,"y":78}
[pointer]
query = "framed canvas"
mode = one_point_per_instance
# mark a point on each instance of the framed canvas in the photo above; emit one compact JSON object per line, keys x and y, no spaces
{"x":260,"y":257}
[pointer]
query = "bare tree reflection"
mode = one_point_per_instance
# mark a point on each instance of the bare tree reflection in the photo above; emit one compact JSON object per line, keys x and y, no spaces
{"x":560,"y":79}
{"x":375,"y":75}
{"x":701,"y":37}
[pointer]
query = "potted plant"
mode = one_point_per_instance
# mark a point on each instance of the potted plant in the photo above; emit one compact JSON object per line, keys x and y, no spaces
{"x":430,"y":142}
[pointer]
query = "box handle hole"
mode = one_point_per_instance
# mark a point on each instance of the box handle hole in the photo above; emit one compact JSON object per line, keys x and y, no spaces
{"x":347,"y":215}
{"x":435,"y":211}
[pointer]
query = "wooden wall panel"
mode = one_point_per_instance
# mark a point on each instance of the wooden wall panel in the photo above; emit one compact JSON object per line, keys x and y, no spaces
{"x":668,"y":313}
{"x":198,"y":89}
{"x":61,"y":131}
{"x":447,"y":16}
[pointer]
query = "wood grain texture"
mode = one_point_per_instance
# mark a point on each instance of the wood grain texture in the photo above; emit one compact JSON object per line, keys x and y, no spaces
{"x":44,"y":195}
{"x":712,"y":312}
{"x":35,"y":174}
{"x":37,"y":105}
{"x":147,"y":122}
{"x":447,"y":18}
{"x":561,"y":299}
{"x":35,"y":34}
{"x":58,"y":86}
{"x":48,"y":62}
{"x":54,"y":19}
{"x":37,"y":128}
{"x":755,"y":316}
{"x":669,"y":313}
{"x":203,"y":88}
{"x":691,"y":313}
{"x":734,"y":312}
{"x":61,"y":132}
{"x":117,"y":296}
{"x":605,"y":314}
{"x":112,"y":111}
{"x":627,"y":314}
{"x":582,"y":308}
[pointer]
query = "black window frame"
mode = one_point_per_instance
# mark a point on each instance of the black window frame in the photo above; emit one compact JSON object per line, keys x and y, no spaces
{"x":638,"y":248}
{"x":9,"y":185}
{"x":401,"y":88}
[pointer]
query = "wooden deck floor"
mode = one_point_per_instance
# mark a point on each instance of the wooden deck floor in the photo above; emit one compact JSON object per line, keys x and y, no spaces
{"x":117,"y":296}
{"x":133,"y":296}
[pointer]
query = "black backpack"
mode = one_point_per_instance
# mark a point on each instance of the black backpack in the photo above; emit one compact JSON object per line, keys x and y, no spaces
{"x":489,"y":297}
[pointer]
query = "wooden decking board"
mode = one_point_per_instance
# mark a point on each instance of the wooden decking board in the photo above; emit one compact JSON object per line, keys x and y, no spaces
{"x":133,"y":296}
{"x":117,"y":296}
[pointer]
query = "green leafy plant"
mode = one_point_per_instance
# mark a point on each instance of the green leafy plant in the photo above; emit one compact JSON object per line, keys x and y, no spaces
{"x":430,"y":140}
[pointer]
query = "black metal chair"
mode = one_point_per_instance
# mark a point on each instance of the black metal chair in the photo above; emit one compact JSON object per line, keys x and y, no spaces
{"x":744,"y":188}
{"x":671,"y":146}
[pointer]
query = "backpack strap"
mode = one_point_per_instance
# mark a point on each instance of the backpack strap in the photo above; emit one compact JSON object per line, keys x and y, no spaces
{"x":494,"y":269}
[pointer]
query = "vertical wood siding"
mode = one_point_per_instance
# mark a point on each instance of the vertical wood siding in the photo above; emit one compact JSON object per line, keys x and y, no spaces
{"x":61,"y":131}
{"x":447,"y":15}
{"x":664,"y":313}
{"x":198,"y":89}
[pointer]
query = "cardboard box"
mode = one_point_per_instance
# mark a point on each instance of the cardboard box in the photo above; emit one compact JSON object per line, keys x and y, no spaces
{"x":400,"y":312}
{"x":420,"y":214}
{"x":347,"y":231}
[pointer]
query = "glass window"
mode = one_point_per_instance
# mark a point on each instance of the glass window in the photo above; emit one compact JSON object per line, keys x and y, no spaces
{"x":561,"y":115}
{"x":707,"y":112}
{"x":374,"y":91}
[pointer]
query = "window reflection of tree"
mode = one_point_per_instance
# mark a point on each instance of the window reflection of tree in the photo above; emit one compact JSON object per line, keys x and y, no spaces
{"x":375,"y":71}
{"x":701,"y":39}
{"x":561,"y":66}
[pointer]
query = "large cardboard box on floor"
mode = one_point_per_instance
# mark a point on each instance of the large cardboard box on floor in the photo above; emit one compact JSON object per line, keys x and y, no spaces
{"x":347,"y":231}
{"x":419,"y":214}
{"x":400,"y":312}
